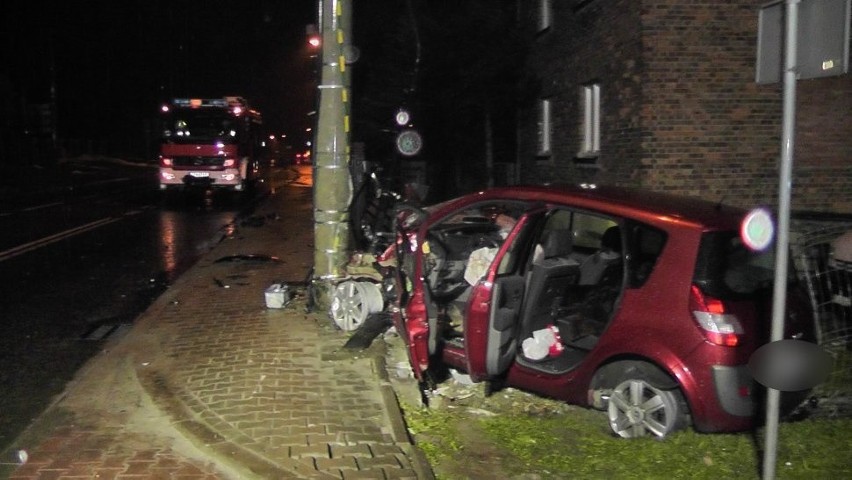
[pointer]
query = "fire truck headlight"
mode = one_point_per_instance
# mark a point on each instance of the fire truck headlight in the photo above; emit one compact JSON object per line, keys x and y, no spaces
{"x":228,"y":177}
{"x":166,"y":162}
{"x":229,"y":163}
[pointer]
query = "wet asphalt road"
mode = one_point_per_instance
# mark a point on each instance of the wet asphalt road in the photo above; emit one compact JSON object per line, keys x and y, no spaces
{"x":79,"y":266}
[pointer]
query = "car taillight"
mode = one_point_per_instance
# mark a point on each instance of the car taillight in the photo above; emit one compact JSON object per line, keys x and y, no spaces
{"x":166,"y":162}
{"x":718,"y":326}
{"x":229,"y":162}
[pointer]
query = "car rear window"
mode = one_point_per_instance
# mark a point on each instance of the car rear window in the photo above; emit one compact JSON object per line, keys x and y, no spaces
{"x":727,"y":269}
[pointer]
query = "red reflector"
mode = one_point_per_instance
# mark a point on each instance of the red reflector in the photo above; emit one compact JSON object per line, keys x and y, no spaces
{"x":165,"y":162}
{"x":229,"y":162}
{"x":724,"y":339}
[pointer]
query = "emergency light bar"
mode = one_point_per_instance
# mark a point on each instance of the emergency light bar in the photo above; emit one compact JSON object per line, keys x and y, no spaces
{"x":200,"y":102}
{"x":237,"y":105}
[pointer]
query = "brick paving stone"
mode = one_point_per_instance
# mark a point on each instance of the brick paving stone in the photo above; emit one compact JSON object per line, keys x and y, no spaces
{"x":314,"y":451}
{"x":383,"y":462}
{"x":400,"y":474}
{"x":344,"y":463}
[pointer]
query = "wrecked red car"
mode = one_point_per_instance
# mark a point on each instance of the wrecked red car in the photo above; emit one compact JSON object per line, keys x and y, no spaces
{"x":645,"y":305}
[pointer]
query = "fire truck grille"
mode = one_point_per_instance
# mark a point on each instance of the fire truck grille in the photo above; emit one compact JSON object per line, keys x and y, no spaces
{"x":198,"y":162}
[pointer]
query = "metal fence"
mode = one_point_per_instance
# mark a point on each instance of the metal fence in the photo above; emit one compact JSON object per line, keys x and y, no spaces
{"x":828,"y":277}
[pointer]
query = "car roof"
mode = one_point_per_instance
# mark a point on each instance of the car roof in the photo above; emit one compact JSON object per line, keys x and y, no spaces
{"x":640,"y":204}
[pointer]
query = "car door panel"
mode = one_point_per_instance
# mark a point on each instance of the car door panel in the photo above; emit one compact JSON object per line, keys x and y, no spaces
{"x":502,"y":329}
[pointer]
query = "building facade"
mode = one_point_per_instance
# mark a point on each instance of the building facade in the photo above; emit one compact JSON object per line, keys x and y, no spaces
{"x":661,"y":94}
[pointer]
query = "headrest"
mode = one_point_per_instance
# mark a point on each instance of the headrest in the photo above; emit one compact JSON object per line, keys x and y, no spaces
{"x":611,"y":239}
{"x":558,"y":243}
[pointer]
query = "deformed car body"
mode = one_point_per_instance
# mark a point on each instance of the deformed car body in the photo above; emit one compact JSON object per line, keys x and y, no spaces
{"x":652,"y":305}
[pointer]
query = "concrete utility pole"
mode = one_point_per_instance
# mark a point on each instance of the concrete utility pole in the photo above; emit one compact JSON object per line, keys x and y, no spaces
{"x":332,"y":182}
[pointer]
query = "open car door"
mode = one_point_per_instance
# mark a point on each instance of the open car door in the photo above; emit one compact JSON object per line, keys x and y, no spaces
{"x":494,"y":312}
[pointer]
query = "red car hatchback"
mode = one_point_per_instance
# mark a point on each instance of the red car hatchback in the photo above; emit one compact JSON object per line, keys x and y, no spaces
{"x":646,"y":305}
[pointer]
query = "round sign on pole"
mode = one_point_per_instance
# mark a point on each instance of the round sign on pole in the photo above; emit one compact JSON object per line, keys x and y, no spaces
{"x":409,"y":143}
{"x":757,"y":229}
{"x":402,"y":117}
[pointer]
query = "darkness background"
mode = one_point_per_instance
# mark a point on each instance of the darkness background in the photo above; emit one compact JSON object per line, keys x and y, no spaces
{"x":106,"y":66}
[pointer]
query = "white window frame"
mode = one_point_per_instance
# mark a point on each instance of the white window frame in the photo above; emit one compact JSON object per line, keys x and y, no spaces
{"x":544,"y":126}
{"x":591,"y":115}
{"x":545,"y":14}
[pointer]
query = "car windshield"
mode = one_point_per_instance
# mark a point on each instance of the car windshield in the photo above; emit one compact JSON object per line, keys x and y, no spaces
{"x":728,"y":269}
{"x":194,"y":125}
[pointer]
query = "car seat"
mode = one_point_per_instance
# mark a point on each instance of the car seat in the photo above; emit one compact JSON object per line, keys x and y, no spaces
{"x":605,"y":261}
{"x":549,"y":280}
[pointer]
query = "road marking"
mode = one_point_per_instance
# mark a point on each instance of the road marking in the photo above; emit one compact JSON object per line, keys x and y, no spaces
{"x":30,"y":209}
{"x":39,"y":207}
{"x":30,"y":246}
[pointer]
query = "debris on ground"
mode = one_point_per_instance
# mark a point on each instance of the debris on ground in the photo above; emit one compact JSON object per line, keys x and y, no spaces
{"x":373,"y":326}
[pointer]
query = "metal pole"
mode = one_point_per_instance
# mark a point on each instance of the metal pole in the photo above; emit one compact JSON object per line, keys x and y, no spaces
{"x":782,"y":246}
{"x":332,"y":182}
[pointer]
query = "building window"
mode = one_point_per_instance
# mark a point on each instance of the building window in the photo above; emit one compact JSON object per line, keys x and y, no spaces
{"x":545,"y":14}
{"x":544,"y":128}
{"x":591,"y":115}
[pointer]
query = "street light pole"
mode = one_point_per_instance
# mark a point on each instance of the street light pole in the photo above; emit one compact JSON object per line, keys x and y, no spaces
{"x":332,"y":181}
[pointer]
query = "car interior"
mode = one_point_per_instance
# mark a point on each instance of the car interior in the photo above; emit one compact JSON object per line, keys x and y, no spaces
{"x":572,"y":287}
{"x":570,"y":277}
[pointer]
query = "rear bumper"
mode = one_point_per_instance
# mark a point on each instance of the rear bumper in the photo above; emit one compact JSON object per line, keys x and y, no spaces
{"x":739,"y":401}
{"x":734,"y":387}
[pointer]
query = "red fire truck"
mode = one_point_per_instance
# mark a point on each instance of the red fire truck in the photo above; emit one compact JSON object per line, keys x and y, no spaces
{"x":210,"y":143}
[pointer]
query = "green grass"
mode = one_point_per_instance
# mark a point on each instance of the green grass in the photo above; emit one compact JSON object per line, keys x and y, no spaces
{"x":577,"y":444}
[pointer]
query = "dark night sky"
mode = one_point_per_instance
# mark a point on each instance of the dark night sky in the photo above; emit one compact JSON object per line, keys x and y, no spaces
{"x":116,"y":61}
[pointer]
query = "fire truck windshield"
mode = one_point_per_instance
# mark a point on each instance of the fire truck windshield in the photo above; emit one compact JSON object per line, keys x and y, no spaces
{"x":188,"y":125}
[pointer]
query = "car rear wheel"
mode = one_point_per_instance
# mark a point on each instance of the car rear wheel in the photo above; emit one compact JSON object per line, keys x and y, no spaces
{"x":638,"y":409}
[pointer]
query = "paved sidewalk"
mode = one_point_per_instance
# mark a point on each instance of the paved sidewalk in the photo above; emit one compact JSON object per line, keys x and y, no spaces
{"x":210,"y":384}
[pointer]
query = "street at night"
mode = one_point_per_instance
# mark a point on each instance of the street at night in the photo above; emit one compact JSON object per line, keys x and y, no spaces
{"x":85,"y":265}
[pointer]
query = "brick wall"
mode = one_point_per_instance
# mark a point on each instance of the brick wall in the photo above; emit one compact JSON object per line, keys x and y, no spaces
{"x":823,"y":149}
{"x":597,"y":43}
{"x":680,"y":109}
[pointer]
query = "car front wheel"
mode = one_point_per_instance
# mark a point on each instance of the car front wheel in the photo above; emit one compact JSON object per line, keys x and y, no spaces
{"x":638,"y":409}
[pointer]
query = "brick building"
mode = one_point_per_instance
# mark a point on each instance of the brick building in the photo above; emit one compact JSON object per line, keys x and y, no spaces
{"x":661,"y":94}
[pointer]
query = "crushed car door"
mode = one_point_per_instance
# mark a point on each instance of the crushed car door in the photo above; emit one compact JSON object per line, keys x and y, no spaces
{"x":409,"y":311}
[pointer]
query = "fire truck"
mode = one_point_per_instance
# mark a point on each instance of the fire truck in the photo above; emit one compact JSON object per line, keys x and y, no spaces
{"x":210,"y":143}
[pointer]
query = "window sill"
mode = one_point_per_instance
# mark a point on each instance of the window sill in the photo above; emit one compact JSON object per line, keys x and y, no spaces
{"x":587,"y":160}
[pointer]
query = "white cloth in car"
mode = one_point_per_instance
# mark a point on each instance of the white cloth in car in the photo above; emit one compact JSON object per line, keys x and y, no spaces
{"x":478,"y":263}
